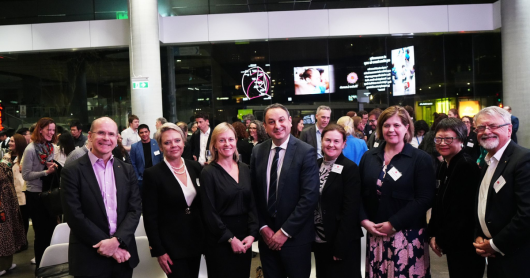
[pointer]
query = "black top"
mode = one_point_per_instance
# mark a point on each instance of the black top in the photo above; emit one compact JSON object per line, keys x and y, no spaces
{"x":453,"y":213}
{"x":116,"y":152}
{"x":245,"y":150}
{"x":222,"y":197}
{"x":147,"y":155}
{"x":186,"y":153}
{"x":405,"y":201}
{"x":471,"y":146}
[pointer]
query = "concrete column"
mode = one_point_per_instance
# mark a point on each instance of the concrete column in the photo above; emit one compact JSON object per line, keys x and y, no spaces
{"x":144,"y":54}
{"x":515,"y":32}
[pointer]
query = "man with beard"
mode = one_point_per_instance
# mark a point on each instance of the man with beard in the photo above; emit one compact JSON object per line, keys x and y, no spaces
{"x":503,"y":199}
{"x":144,"y":154}
{"x":373,"y":142}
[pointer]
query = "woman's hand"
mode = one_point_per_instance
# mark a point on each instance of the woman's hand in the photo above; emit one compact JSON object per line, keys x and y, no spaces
{"x":386,"y":228}
{"x":164,"y":261}
{"x":247,"y":242}
{"x":336,"y":258}
{"x":51,"y":167}
{"x":372,"y":228}
{"x":435,"y":248}
{"x":237,"y":246}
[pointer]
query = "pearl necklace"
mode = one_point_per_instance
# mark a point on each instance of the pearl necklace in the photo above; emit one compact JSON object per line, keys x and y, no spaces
{"x":175,"y":169}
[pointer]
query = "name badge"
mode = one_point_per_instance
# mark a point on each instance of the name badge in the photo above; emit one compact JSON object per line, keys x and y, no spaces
{"x":376,"y":144}
{"x":499,"y":184}
{"x":394,"y":173}
{"x":337,"y":168}
{"x":198,"y":183}
{"x":370,"y":132}
{"x":469,"y":144}
{"x":157,"y":152}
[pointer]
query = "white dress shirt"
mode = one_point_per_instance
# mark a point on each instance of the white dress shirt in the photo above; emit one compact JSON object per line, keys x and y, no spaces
{"x":492,"y":161}
{"x":319,"y":143}
{"x":129,"y":137}
{"x":203,"y":144}
{"x":188,"y":189}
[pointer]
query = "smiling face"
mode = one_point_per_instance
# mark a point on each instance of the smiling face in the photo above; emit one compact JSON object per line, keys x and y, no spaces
{"x":144,"y":135}
{"x":172,"y":144}
{"x":47,"y":132}
{"x":278,"y":125}
{"x":253,"y":130}
{"x":372,"y":120}
{"x":493,"y":140}
{"x":300,"y":125}
{"x":323,"y":117}
{"x":103,"y":137}
{"x":448,"y":150}
{"x":225,"y":144}
{"x":394,"y":131}
{"x":11,"y":144}
{"x":332,"y":144}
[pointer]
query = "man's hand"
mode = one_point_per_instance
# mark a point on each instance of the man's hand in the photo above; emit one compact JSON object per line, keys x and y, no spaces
{"x":372,"y":228}
{"x":435,"y":248}
{"x":164,"y":261}
{"x":247,"y":242}
{"x":121,"y":255}
{"x":107,"y":247}
{"x":266,"y":234}
{"x":277,"y":240}
{"x":237,"y":246}
{"x":483,"y":247}
{"x":195,"y":158}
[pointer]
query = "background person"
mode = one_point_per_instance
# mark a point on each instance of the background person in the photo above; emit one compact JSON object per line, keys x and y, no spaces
{"x":355,"y":147}
{"x":159,"y":122}
{"x":298,"y":123}
{"x":200,"y":140}
{"x":452,"y":221}
{"x":471,"y":145}
{"x":172,"y":207}
{"x":313,"y":135}
{"x":420,"y":128}
{"x":144,"y":154}
{"x":453,"y":113}
{"x":358,"y":128}
{"x":120,"y":152}
{"x":244,"y":148}
{"x":76,"y":129}
{"x":427,"y":144}
{"x":17,"y":145}
{"x":257,"y":133}
{"x":373,"y":140}
{"x":515,"y":123}
{"x":26,"y":133}
{"x":397,"y":189}
{"x":228,"y":207}
{"x":337,"y":246}
{"x":186,"y":154}
{"x":130,"y":135}
{"x":65,"y":145}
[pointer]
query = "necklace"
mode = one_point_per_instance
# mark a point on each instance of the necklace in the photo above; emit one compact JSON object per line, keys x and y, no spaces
{"x":179,"y":173}
{"x":177,"y":168}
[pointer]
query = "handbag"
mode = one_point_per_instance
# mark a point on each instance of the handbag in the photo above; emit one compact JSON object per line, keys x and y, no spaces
{"x":51,"y":198}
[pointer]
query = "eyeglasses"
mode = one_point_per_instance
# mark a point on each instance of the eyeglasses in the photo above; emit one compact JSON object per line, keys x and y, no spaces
{"x":482,"y":128}
{"x":252,"y":128}
{"x":371,"y":121}
{"x":447,"y":140}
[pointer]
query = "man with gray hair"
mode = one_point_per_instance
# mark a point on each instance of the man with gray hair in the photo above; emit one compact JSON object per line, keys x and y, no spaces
{"x":159,"y":122}
{"x":313,"y":135}
{"x":503,"y":198}
{"x":248,"y":118}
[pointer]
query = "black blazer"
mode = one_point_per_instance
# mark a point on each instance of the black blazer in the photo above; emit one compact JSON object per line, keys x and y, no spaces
{"x":195,"y":142}
{"x":508,"y":210}
{"x":298,"y":190}
{"x":245,"y":150}
{"x":340,"y":203}
{"x":85,"y":213}
{"x":403,"y":202}
{"x":453,"y":214}
{"x":169,"y":229}
{"x":309,"y":135}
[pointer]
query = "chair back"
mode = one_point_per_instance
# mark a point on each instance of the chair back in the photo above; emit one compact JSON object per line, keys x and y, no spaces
{"x":140,"y":230}
{"x":55,"y":254}
{"x":148,"y":266}
{"x":61,"y":234}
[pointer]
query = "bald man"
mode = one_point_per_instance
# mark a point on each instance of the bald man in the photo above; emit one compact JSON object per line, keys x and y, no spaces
{"x":101,"y":204}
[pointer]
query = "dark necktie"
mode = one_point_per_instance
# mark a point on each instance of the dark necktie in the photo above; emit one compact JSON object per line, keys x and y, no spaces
{"x":273,"y":182}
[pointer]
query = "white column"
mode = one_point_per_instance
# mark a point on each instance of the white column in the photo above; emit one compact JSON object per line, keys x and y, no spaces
{"x":515,"y":32}
{"x":144,"y":54}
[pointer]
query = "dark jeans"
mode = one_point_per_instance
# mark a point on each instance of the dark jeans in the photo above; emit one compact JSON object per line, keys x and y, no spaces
{"x":43,"y":224}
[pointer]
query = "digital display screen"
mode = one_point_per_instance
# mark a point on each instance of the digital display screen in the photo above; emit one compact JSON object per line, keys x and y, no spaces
{"x":403,"y":71}
{"x":312,"y":80}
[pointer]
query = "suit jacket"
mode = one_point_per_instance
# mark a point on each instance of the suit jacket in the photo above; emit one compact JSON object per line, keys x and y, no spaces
{"x":370,"y":143}
{"x":508,"y":209}
{"x":195,"y":142}
{"x":515,"y":127}
{"x":340,"y":203}
{"x":169,"y":229}
{"x":138,"y":159}
{"x":309,"y":135}
{"x":85,"y":213}
{"x":298,"y":190}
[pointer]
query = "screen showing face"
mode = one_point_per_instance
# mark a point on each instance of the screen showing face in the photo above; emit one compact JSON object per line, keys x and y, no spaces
{"x":314,"y":80}
{"x":403,"y":71}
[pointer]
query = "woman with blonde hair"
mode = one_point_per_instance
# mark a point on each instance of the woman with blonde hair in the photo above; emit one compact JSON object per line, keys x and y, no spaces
{"x":355,"y":147}
{"x":228,"y":207}
{"x":358,"y":126}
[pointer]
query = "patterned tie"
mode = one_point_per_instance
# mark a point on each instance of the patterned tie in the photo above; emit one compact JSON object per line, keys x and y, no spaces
{"x":273,"y":182}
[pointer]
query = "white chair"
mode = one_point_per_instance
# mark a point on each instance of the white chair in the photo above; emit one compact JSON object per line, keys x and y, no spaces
{"x":203,"y":272}
{"x":55,"y":254}
{"x":61,"y":234}
{"x":148,"y":266}
{"x":140,"y":230}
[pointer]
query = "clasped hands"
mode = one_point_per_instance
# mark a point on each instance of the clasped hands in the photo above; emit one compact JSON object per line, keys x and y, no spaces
{"x":273,"y":240}
{"x":379,"y":229}
{"x":241,"y":246}
{"x":110,"y":248}
{"x":483,"y":247}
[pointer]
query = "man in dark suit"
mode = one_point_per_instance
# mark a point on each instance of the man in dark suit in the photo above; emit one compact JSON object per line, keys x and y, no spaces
{"x":285,"y":183}
{"x":373,"y":142}
{"x":101,"y":204}
{"x":313,"y":135}
{"x":144,"y":154}
{"x":200,"y":140}
{"x":4,"y":140}
{"x":503,"y":199}
{"x":515,"y":123}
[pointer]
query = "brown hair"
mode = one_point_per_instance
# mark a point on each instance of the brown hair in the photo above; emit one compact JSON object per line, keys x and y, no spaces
{"x":133,"y":117}
{"x":405,"y":120}
{"x":220,"y":128}
{"x":455,"y":112}
{"x":336,"y":127}
{"x":376,"y":111}
{"x":20,"y":146}
{"x":294,"y":129}
{"x":41,"y":124}
{"x":183,"y":126}
{"x":356,"y":121}
{"x":241,"y":130}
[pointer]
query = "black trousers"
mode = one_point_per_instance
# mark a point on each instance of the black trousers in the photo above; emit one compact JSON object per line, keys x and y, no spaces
{"x":43,"y":224}
{"x":117,"y":270}
{"x":326,"y":267}
{"x":290,"y":261}
{"x":25,"y":217}
{"x":465,"y":264}
{"x":185,"y":268}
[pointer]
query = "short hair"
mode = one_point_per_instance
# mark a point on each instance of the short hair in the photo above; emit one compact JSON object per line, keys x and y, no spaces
{"x":41,"y":124}
{"x":421,"y":125}
{"x":162,"y":120}
{"x":351,"y":114}
{"x":376,"y":112}
{"x":142,"y":126}
{"x":362,"y":113}
{"x":202,"y":115}
{"x":166,"y":127}
{"x":347,"y":123}
{"x":183,"y":126}
{"x":455,"y":112}
{"x":59,"y":129}
{"x":338,"y":128}
{"x":22,"y":130}
{"x":77,"y":125}
{"x":323,"y":107}
{"x":249,"y":117}
{"x":220,"y":128}
{"x":507,"y":107}
{"x":410,"y":110}
{"x":274,"y":106}
{"x":403,"y":116}
{"x":3,"y":133}
{"x":133,"y":117}
{"x":241,"y":130}
{"x":495,"y":111}
{"x":454,"y":124}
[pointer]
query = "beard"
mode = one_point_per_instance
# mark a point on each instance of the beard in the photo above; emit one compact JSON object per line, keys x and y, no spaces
{"x":490,"y":145}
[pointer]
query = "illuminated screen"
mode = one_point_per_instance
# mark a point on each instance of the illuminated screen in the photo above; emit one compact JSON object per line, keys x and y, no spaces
{"x":314,"y":80}
{"x":243,"y":112}
{"x":403,"y":71}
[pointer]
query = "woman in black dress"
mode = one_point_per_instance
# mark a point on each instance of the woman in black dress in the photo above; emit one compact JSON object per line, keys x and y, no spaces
{"x":228,"y":207}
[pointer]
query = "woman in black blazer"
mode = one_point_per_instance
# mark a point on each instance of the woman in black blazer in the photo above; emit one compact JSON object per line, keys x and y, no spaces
{"x":397,"y":189}
{"x":172,"y":207}
{"x":452,"y":223}
{"x":337,"y":246}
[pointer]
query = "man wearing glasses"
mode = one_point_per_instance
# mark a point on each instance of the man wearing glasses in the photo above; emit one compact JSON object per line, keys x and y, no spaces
{"x":503,"y":201}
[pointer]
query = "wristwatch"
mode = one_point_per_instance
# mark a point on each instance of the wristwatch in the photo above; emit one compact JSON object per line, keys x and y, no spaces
{"x":230,"y":240}
{"x":122,"y":243}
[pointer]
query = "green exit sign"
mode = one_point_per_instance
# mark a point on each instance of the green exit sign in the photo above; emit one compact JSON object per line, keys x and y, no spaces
{"x":141,"y":85}
{"x":122,"y":15}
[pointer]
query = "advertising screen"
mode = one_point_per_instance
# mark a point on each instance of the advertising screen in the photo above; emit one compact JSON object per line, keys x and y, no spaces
{"x":403,"y":71}
{"x":313,"y":80}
